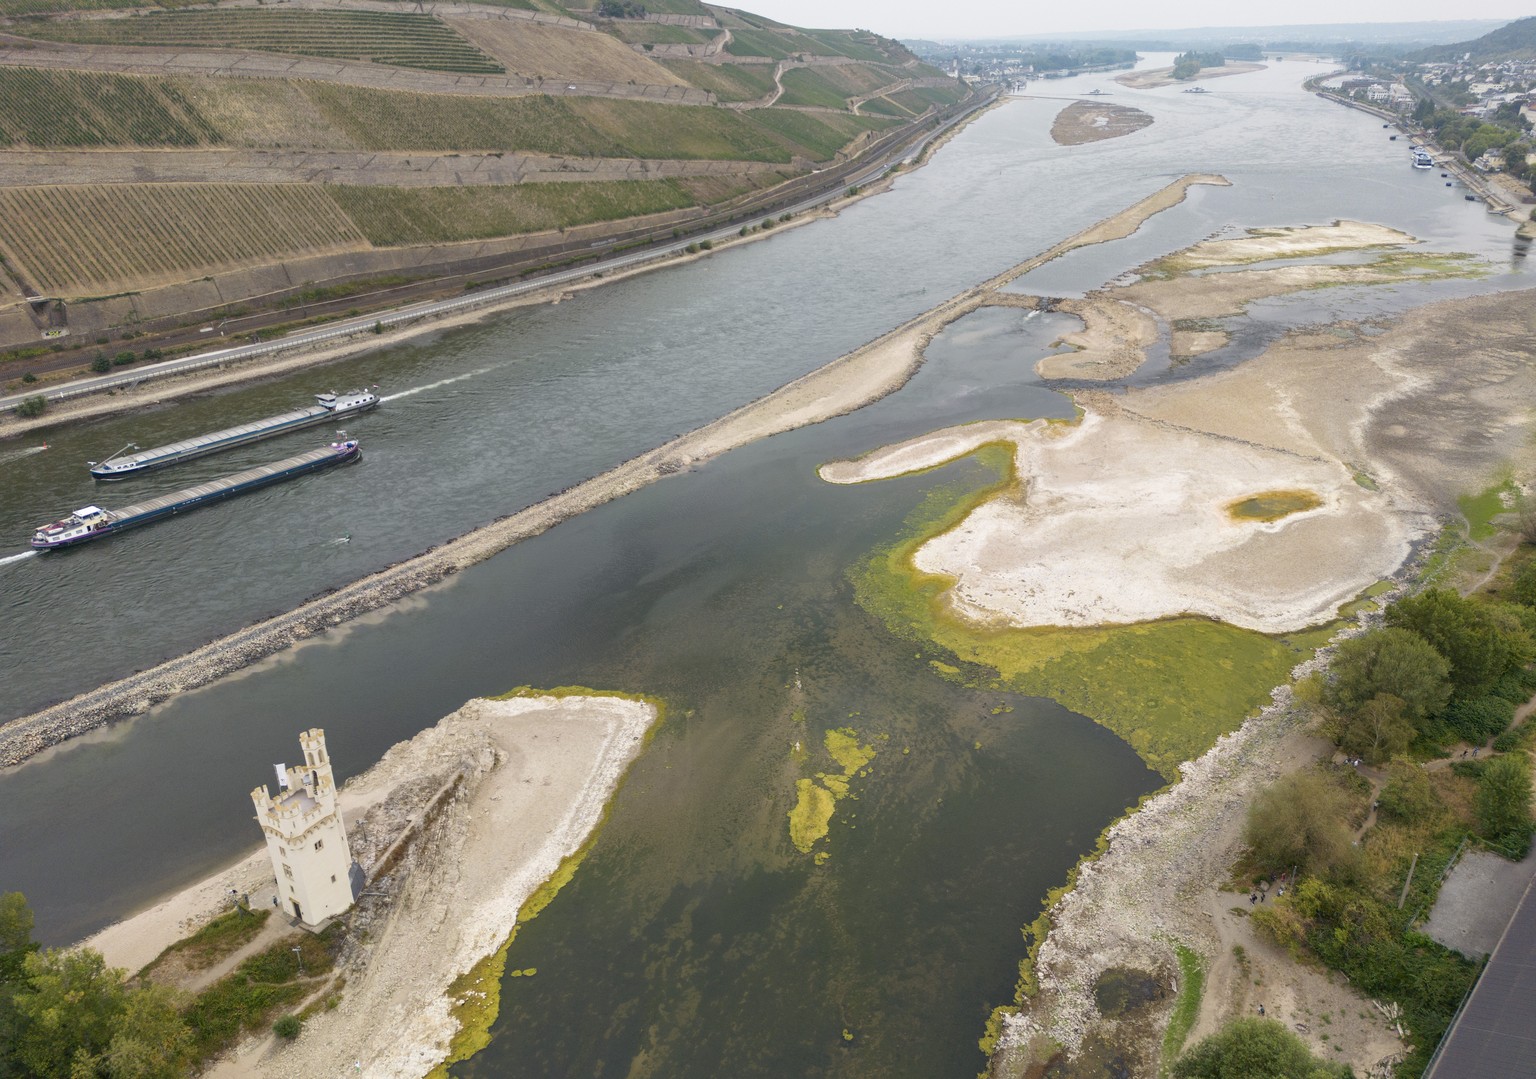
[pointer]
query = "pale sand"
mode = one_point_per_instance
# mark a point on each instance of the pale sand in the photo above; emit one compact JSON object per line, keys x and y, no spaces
{"x":1093,"y":121}
{"x":537,"y":773}
{"x":1112,"y":343}
{"x":1124,"y":520}
{"x":1163,"y":76}
{"x":1299,"y":241}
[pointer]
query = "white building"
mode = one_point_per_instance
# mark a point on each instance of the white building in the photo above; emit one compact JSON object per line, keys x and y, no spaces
{"x":305,"y":836}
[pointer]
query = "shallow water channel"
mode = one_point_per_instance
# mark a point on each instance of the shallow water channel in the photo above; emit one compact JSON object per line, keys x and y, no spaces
{"x":695,"y":940}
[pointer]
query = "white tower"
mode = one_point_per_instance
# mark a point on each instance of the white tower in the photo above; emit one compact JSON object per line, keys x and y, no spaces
{"x":305,"y":836}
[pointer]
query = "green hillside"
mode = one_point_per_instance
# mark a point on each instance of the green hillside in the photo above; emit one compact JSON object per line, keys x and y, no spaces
{"x":643,"y":121}
{"x":1516,"y":41}
{"x":400,"y":40}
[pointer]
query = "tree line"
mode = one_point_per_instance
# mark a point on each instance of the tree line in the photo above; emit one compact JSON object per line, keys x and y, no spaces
{"x":1429,"y":696}
{"x":67,"y":1015}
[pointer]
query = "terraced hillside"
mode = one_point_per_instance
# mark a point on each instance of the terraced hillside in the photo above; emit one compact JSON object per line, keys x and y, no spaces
{"x":225,"y":152}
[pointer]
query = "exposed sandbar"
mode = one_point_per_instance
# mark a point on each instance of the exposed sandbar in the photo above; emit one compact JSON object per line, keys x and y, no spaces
{"x":1112,"y":343}
{"x":536,"y":773}
{"x":1163,"y":76}
{"x":1123,"y":520}
{"x":1091,"y":121}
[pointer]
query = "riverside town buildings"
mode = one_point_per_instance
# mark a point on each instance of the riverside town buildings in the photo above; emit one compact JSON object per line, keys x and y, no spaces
{"x":305,"y":836}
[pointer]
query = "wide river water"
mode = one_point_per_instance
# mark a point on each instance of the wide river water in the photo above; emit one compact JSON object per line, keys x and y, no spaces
{"x":695,"y":940}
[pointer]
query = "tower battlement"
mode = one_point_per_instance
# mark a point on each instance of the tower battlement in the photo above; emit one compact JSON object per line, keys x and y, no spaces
{"x":306,"y":839}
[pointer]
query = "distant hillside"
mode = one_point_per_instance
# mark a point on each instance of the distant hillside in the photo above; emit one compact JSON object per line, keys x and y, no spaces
{"x":221,"y":152}
{"x":1517,"y":41}
{"x":1406,"y":34}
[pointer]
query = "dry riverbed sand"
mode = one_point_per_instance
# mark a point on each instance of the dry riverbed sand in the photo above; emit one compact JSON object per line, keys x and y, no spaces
{"x":536,"y":774}
{"x":1125,"y":516}
{"x":1092,"y":121}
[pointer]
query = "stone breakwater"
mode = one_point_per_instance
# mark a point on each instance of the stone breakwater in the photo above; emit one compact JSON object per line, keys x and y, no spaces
{"x":842,"y":386}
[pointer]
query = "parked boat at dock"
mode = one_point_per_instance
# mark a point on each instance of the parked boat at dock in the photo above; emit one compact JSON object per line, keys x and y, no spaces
{"x":327,"y":407}
{"x":92,"y":522}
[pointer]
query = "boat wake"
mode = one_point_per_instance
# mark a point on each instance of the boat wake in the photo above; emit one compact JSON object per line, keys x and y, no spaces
{"x":8,"y":559}
{"x":435,"y":385}
{"x":7,"y":458}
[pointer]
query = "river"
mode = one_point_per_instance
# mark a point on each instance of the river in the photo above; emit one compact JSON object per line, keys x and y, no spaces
{"x":695,"y":940}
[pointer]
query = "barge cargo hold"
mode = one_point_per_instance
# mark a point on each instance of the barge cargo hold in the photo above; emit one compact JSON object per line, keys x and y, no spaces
{"x":328,"y":407}
{"x":93,"y":522}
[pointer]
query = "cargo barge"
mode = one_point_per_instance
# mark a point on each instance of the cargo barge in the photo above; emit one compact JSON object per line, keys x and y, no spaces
{"x":327,"y":407}
{"x":92,"y":522}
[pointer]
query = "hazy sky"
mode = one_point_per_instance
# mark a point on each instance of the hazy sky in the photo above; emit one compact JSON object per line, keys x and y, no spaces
{"x":1002,"y":18}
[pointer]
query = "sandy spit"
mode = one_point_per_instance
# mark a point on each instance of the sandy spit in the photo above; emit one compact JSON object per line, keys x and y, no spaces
{"x":1163,"y":76}
{"x":536,"y":774}
{"x":1125,"y":520}
{"x":848,"y":383}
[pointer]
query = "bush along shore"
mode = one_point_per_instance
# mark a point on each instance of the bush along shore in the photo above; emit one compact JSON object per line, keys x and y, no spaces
{"x":1429,"y":714}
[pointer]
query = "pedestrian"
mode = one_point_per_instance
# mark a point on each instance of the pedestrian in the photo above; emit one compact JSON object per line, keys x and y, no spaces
{"x":1475,"y":749}
{"x":1261,"y":1009}
{"x":1252,"y":899}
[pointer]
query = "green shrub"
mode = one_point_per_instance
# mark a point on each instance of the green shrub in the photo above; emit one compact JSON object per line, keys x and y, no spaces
{"x":124,"y":358}
{"x":288,"y":1027}
{"x":1252,"y":1046}
{"x":1510,"y":740}
{"x":101,"y":365}
{"x":28,"y":377}
{"x":1408,"y":794}
{"x":35,"y":405}
{"x":1511,"y":687}
{"x":1479,"y":719}
{"x":1504,"y":803}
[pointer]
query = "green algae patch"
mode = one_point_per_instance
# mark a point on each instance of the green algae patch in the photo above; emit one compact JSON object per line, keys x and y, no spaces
{"x":816,"y":799}
{"x":474,"y":998}
{"x":1480,"y":509}
{"x":844,"y":746}
{"x":811,"y":818}
{"x":1169,"y":688}
{"x":1273,"y":505}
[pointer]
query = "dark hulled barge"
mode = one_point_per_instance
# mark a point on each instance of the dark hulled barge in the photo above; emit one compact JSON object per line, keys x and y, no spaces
{"x":93,"y":522}
{"x":328,"y":407}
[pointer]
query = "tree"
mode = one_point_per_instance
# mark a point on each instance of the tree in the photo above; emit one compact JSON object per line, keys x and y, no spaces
{"x":1408,"y":794}
{"x":1254,"y":1049}
{"x":1299,"y":821}
{"x":15,"y":935}
{"x":1379,"y":731}
{"x":152,"y":1041}
{"x":1504,"y":801}
{"x":67,"y":1011}
{"x":1461,"y":630}
{"x":73,"y":1017}
{"x":1390,"y":661}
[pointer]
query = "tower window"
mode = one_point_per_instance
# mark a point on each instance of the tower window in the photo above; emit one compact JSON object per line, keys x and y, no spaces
{"x":319,"y":843}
